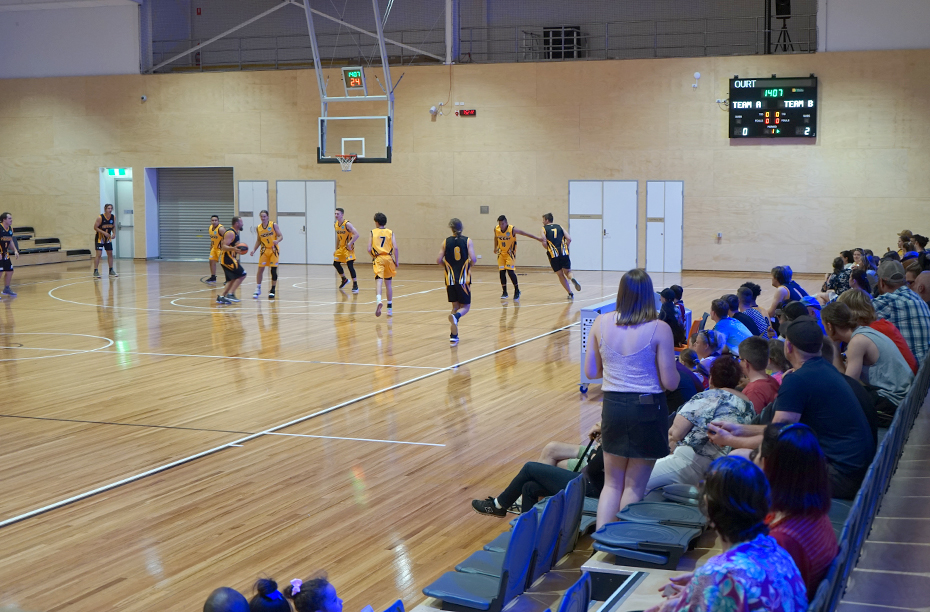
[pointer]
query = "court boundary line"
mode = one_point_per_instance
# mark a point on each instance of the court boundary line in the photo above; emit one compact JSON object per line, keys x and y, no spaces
{"x":274,"y":433}
{"x":269,"y":431}
{"x":344,"y":363}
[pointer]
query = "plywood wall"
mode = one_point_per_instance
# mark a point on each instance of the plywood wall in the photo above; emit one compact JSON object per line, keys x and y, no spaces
{"x":538,"y":126}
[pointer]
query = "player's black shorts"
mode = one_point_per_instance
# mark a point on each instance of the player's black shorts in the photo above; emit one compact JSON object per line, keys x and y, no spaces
{"x":104,"y":246}
{"x":6,"y":265}
{"x":459,"y":293}
{"x":234,"y":273}
{"x":562,"y":262}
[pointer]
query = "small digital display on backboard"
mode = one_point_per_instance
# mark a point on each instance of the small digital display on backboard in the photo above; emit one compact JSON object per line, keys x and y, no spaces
{"x":354,"y":77}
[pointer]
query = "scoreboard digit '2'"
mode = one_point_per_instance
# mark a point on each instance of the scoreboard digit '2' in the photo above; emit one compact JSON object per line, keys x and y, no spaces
{"x":773,"y":108}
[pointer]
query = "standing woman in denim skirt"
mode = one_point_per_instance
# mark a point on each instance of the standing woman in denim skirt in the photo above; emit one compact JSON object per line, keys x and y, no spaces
{"x":633,"y":351}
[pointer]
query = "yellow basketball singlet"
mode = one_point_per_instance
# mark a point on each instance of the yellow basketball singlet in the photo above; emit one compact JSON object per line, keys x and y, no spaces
{"x":269,"y":252}
{"x":343,"y":254}
{"x":382,"y":250}
{"x":216,"y":237}
{"x":506,"y":247}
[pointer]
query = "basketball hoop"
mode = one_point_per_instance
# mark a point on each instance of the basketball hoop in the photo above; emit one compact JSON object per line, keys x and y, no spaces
{"x":345,"y":161}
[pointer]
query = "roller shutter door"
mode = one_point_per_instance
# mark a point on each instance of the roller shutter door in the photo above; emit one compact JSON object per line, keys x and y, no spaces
{"x":187,"y":197}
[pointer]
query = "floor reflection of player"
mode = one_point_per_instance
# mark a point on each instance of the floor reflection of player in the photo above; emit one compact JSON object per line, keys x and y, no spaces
{"x":8,"y":373}
{"x":456,"y":419}
{"x":506,"y":361}
{"x":344,"y":325}
{"x":270,"y":339}
{"x":558,"y":344}
{"x":385,"y":375}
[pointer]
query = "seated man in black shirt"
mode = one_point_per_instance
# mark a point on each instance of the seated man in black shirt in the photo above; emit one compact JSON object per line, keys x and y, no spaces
{"x":815,"y":394}
{"x":733,"y":302}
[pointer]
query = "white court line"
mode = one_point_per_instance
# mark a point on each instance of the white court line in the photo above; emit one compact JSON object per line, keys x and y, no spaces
{"x":356,"y":439}
{"x":373,"y":365}
{"x":240,"y":441}
{"x":305,"y":313}
{"x":73,"y":351}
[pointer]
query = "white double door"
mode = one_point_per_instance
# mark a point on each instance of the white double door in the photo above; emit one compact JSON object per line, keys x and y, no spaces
{"x":603,"y":224}
{"x":305,"y":217}
{"x":664,"y":226}
{"x":253,"y":198}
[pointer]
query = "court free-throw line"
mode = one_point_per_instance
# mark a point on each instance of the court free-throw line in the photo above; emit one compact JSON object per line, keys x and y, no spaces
{"x":356,"y":439}
{"x":241,"y":441}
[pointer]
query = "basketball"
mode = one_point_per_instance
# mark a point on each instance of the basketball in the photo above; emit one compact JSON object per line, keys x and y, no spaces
{"x":243,"y":247}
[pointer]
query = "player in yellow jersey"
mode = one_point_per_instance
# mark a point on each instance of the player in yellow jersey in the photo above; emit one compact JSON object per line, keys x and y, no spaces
{"x":269,"y":237}
{"x":505,"y":245}
{"x":382,"y":246}
{"x":346,"y":235}
{"x":216,"y":237}
{"x":556,"y":241}
{"x":457,"y":256}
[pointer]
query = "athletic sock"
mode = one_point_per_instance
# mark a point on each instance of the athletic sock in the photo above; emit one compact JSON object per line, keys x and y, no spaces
{"x":513,"y":279}
{"x":457,"y":316}
{"x":378,"y":297}
{"x":258,"y":286}
{"x":389,"y":304}
{"x":497,"y":505}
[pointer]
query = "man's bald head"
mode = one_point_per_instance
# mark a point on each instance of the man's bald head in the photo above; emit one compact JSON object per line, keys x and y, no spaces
{"x":922,"y":286}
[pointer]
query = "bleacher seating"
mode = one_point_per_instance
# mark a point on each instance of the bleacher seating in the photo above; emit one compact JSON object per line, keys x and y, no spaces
{"x":34,"y":250}
{"x":466,"y":592}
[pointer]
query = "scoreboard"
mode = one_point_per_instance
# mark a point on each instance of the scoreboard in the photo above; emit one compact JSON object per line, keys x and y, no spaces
{"x":773,"y":108}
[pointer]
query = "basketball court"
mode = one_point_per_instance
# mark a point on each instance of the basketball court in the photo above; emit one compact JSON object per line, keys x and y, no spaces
{"x":203,"y":445}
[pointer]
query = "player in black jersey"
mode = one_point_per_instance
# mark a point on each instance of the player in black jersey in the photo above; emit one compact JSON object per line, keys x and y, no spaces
{"x":556,"y":243}
{"x":457,"y":256}
{"x":229,"y":259}
{"x":104,"y":230}
{"x":7,"y":247}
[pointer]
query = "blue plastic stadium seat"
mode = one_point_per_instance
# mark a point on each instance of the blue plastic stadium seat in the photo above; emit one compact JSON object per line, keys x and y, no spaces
{"x":397,"y":606}
{"x":578,"y":596}
{"x":490,"y":563}
{"x":571,"y":517}
{"x":460,"y":591}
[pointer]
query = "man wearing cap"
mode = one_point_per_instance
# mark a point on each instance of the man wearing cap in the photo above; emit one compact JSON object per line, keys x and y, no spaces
{"x":813,"y":309}
{"x":905,"y":309}
{"x":817,"y":395}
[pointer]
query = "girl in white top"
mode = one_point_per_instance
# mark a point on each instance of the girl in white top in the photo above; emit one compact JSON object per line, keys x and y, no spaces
{"x":634,"y":353}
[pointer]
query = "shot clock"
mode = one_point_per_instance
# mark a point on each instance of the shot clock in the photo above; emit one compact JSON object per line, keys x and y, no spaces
{"x":773,"y":108}
{"x":353,"y":77}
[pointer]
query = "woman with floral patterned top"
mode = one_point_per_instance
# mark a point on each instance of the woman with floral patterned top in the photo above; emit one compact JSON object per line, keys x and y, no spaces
{"x":753,"y":574}
{"x":692,"y":451}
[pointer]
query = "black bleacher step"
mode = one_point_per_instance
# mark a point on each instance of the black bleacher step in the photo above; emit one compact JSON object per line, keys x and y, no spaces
{"x":48,"y":241}
{"x":71,"y":252}
{"x":24,"y":230}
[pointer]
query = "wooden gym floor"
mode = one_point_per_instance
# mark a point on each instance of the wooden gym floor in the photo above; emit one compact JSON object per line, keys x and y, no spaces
{"x":305,"y":433}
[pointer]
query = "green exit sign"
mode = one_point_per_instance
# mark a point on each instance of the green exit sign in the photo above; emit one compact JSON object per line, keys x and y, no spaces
{"x":116,"y":171}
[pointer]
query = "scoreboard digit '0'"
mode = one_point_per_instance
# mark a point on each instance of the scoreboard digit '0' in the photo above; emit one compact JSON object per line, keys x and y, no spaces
{"x":773,"y":108}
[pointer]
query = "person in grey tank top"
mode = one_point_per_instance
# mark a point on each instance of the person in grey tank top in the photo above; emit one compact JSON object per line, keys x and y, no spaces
{"x":634,"y":354}
{"x":871,"y":357}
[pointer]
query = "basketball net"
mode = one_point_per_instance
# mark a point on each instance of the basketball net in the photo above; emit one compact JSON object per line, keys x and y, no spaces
{"x":346,"y":162}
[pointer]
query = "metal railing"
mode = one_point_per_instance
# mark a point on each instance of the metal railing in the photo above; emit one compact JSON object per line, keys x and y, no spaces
{"x":290,"y":51}
{"x":874,"y":485}
{"x":652,"y":38}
